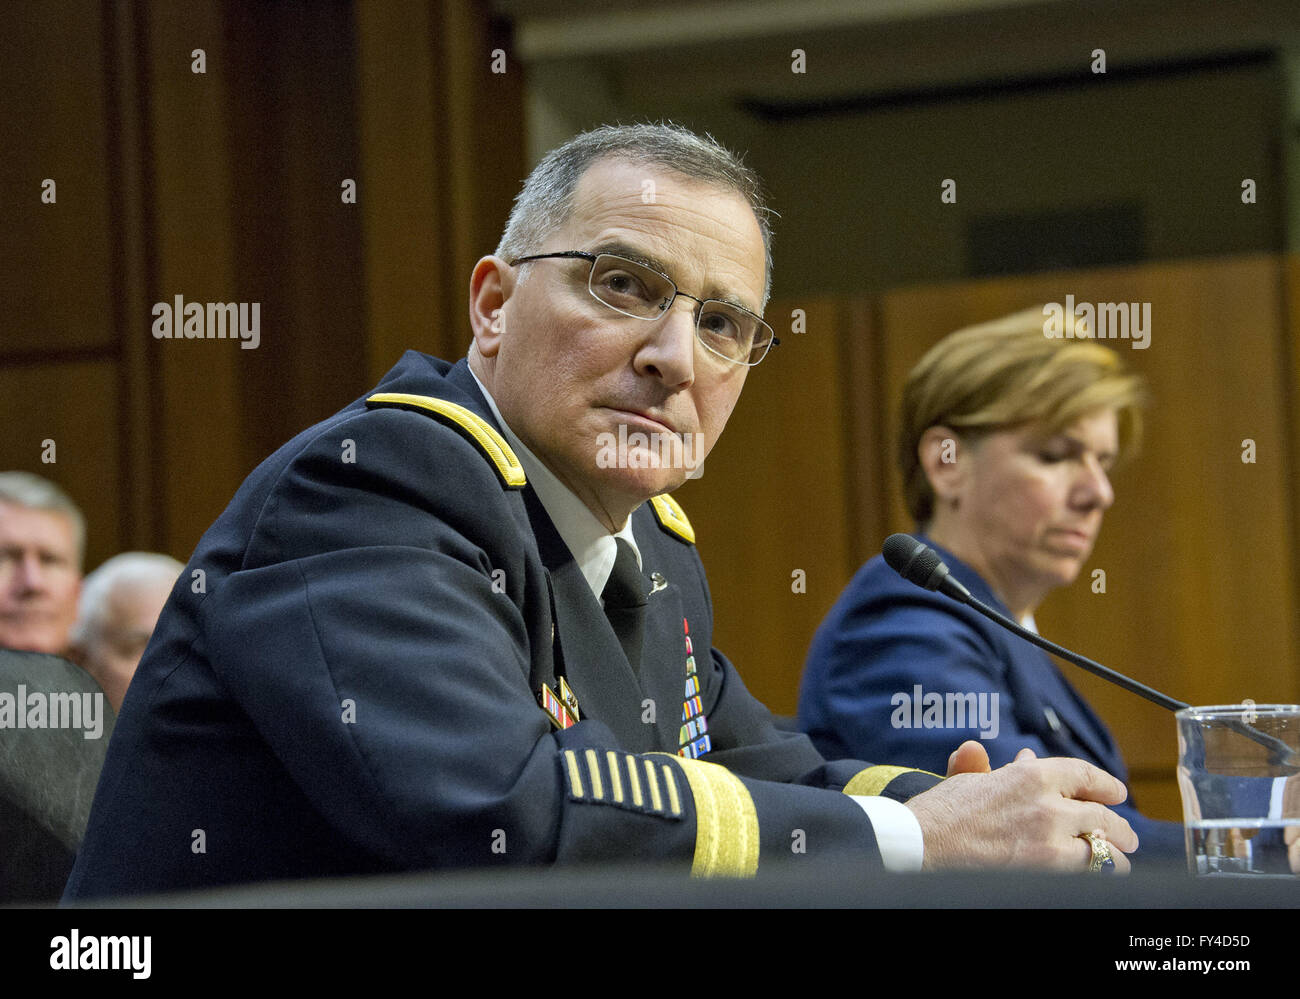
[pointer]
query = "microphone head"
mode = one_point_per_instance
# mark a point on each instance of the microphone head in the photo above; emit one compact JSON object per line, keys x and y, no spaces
{"x":913,"y":561}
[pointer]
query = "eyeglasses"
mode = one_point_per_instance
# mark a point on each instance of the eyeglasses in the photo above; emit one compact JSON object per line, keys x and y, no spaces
{"x":633,"y":289}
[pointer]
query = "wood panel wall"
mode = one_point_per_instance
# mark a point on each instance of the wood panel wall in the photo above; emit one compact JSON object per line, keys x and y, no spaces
{"x":225,"y":186}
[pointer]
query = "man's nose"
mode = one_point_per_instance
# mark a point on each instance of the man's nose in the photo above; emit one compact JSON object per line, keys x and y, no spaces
{"x":668,"y":353}
{"x":30,"y":574}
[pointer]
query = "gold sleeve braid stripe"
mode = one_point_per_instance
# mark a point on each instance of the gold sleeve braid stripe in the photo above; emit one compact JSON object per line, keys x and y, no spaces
{"x":599,"y":778}
{"x":652,"y":782}
{"x":726,"y":822}
{"x":575,"y":778}
{"x":593,"y":769}
{"x":635,"y":784}
{"x":873,"y":780}
{"x":615,"y":779}
{"x":674,"y":802}
{"x":468,"y":423}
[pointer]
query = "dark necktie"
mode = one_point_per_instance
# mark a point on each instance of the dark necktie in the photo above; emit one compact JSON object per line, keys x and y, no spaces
{"x":625,"y":599}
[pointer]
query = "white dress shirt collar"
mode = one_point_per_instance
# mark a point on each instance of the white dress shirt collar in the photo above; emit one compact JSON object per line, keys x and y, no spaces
{"x":591,"y":544}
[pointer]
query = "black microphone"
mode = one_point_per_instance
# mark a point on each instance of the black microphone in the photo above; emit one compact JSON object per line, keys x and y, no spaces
{"x":920,"y":564}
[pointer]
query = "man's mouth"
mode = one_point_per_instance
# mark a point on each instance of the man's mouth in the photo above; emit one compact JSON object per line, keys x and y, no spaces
{"x":647,"y":418}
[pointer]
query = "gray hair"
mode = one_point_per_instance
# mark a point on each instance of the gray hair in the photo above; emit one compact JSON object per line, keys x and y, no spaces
{"x":129,"y":568}
{"x":545,"y":202}
{"x":34,"y":493}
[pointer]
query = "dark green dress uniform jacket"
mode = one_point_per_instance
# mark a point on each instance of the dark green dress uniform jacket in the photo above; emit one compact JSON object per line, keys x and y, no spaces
{"x":345,"y":681}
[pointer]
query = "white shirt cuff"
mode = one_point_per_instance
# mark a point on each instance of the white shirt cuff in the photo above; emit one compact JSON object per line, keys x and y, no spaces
{"x":898,"y":833}
{"x":1275,"y":797}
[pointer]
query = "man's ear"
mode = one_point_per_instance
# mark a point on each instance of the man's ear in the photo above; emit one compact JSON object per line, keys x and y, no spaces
{"x":940,"y":452}
{"x":490,"y":285}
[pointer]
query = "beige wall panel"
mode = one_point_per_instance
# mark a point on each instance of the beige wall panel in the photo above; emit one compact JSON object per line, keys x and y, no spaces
{"x":773,"y":499}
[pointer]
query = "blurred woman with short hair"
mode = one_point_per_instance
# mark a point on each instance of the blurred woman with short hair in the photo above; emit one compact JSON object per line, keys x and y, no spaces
{"x":1007,"y":441}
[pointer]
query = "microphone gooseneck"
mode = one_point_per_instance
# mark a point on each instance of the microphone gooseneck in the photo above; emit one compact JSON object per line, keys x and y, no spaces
{"x":920,"y":564}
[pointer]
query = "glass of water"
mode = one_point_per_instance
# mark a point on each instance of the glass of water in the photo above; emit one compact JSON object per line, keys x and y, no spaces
{"x":1239,"y":776}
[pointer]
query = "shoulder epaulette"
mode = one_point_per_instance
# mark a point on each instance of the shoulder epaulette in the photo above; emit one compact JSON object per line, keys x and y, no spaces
{"x":672,"y":518}
{"x":467,"y":423}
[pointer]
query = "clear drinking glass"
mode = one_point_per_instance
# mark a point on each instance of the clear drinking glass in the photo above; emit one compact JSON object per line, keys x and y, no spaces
{"x":1239,"y":776}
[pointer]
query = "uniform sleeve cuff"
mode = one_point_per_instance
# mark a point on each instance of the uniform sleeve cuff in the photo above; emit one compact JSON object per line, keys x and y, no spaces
{"x":898,"y":833}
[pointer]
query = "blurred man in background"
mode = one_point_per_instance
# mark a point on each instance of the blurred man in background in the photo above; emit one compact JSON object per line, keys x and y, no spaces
{"x":47,"y":775}
{"x":120,"y":604}
{"x":42,"y":545}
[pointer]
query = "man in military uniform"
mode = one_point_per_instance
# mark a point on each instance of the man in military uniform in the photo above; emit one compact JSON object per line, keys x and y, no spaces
{"x":436,"y":631}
